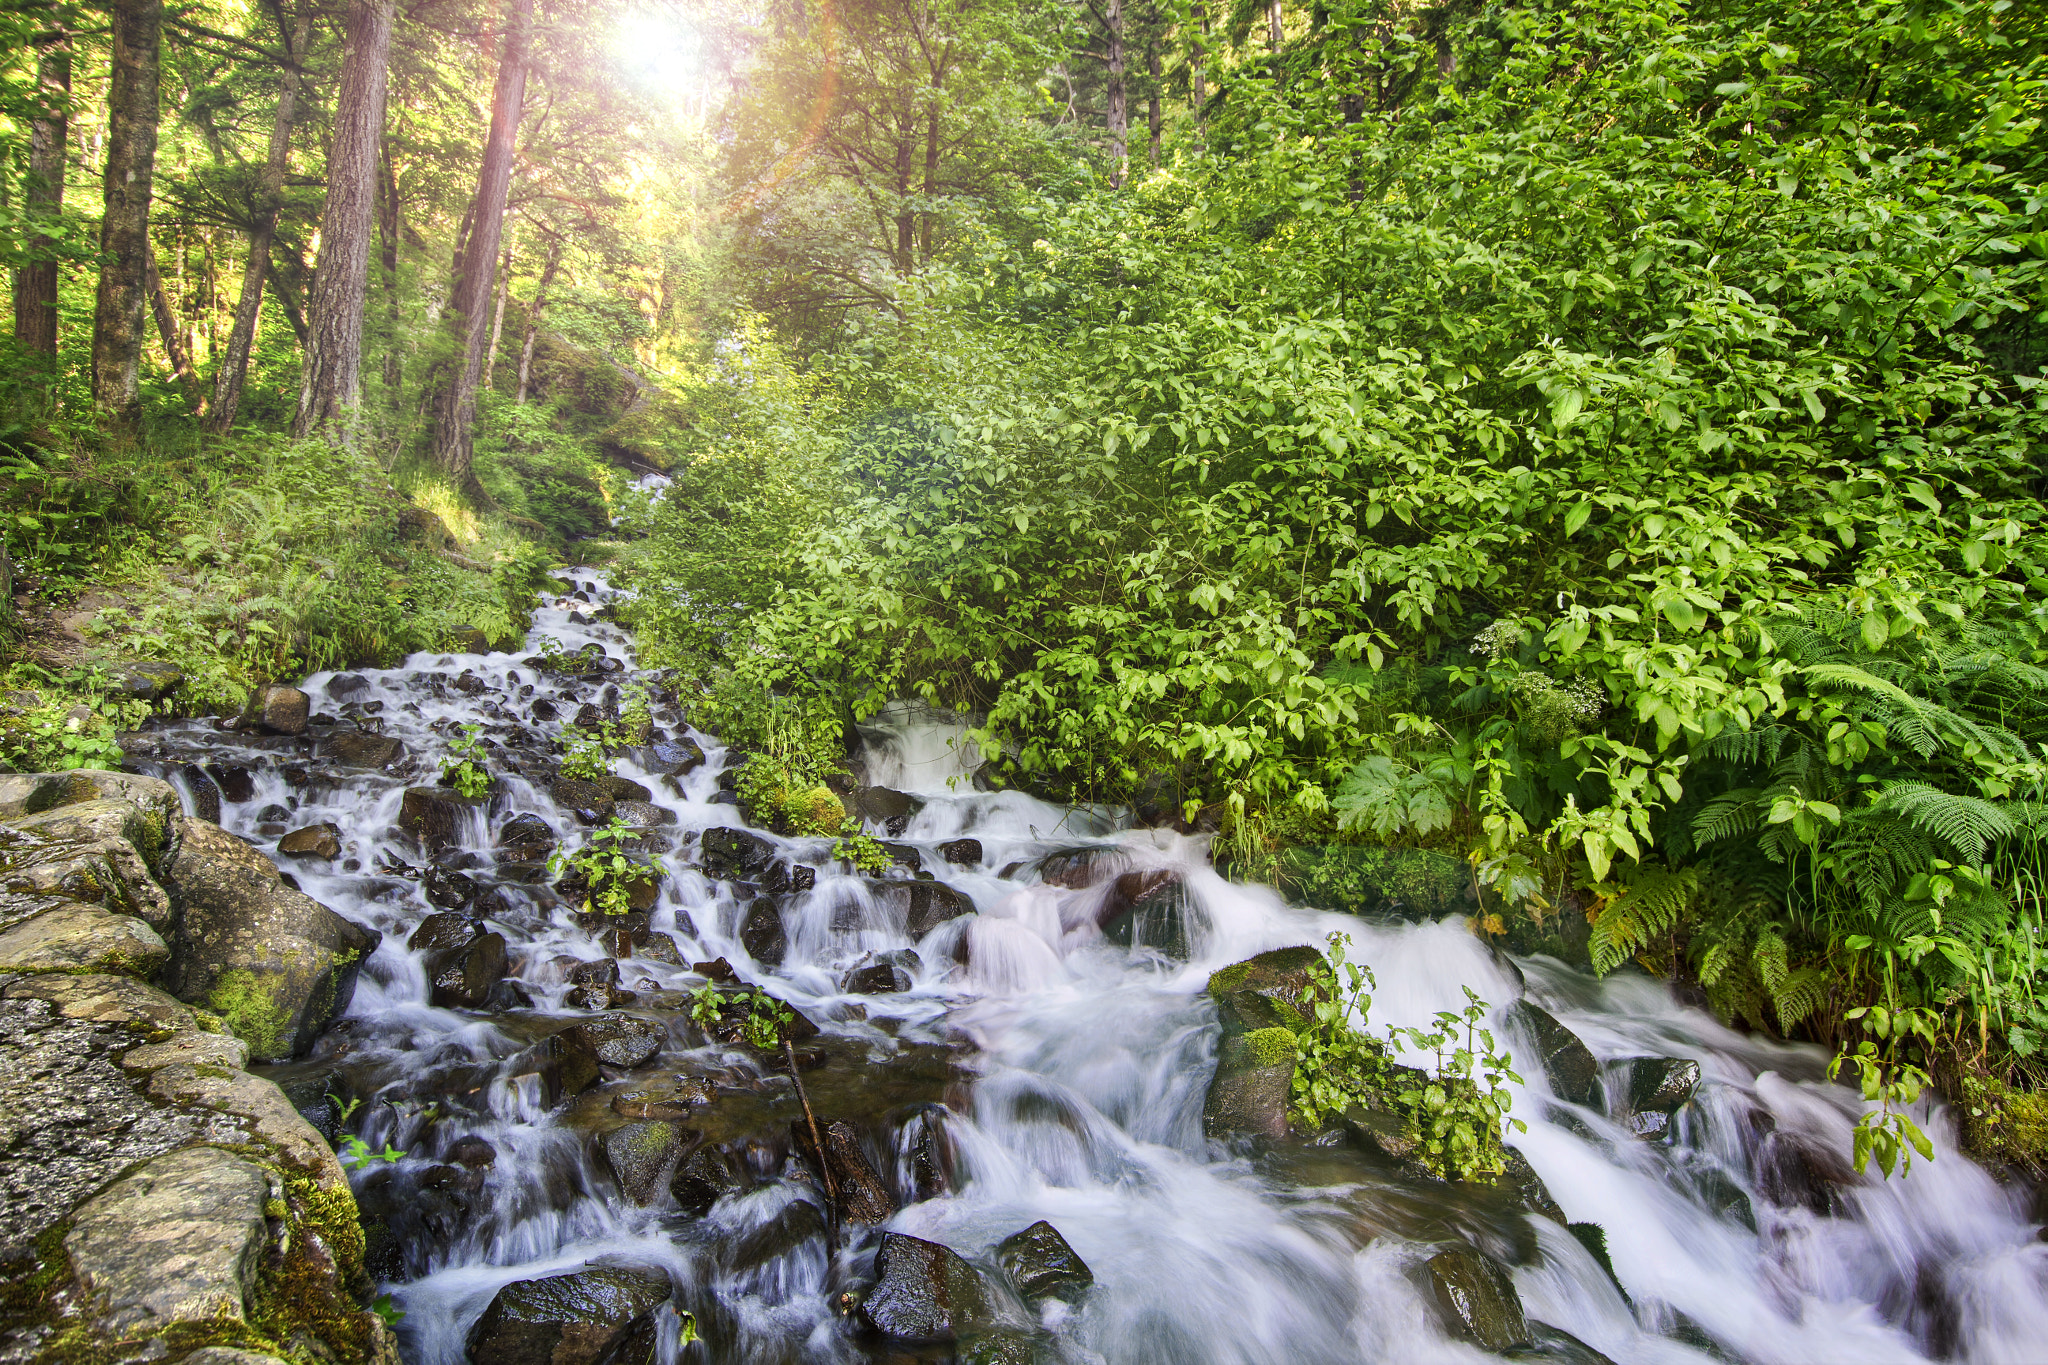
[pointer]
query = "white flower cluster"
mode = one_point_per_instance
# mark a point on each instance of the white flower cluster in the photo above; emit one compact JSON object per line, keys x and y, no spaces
{"x":1497,"y":641}
{"x":1556,"y":710}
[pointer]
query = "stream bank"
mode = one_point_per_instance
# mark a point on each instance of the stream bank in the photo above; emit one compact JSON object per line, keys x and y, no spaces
{"x":1043,"y":1131}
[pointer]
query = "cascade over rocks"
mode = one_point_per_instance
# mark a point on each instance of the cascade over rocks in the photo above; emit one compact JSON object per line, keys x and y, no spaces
{"x":437,"y":817}
{"x":601,"y":1315}
{"x":1042,"y":1265}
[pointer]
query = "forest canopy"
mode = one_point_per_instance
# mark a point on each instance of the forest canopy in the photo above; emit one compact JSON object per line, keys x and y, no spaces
{"x":1579,"y":464}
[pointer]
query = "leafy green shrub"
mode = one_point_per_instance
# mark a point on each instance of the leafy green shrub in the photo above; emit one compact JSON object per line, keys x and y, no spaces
{"x":1461,"y":1114}
{"x":606,"y":867}
{"x":464,"y":767}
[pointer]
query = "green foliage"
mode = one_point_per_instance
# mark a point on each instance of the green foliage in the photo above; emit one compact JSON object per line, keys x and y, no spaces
{"x":1338,"y":1063}
{"x":1461,"y":1114}
{"x":463,"y":767}
{"x":762,"y":1017}
{"x":587,"y":753}
{"x":606,"y":866}
{"x":856,"y":846}
{"x":1888,"y":1133}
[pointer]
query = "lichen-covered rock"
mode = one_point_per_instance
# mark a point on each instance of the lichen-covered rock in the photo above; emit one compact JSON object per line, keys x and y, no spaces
{"x":179,"y":1241}
{"x":1573,"y":1072}
{"x":278,"y":709}
{"x":591,"y":804}
{"x":96,"y":998}
{"x":275,"y":964}
{"x":1476,"y":1299}
{"x":82,"y":938}
{"x":590,"y":1317}
{"x":97,"y":851}
{"x":221,"y":1050}
{"x":924,"y":1292}
{"x":258,"y":1110}
{"x":641,"y":1156}
{"x":34,"y":793}
{"x":1043,"y":1266}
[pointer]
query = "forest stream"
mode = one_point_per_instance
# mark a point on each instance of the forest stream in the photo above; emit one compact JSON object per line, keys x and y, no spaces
{"x":1019,"y":1046}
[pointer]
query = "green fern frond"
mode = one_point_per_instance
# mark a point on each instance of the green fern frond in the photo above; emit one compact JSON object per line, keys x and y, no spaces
{"x":1655,"y":898}
{"x":1727,"y":816}
{"x":1798,"y":996}
{"x":1966,"y":824}
{"x":1769,"y":958}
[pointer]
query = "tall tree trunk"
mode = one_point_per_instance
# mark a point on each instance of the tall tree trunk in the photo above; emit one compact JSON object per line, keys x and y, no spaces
{"x":117,"y":321}
{"x":540,"y":300}
{"x":455,"y":405}
{"x":906,"y":220}
{"x":1198,"y":82}
{"x":1152,"y":118}
{"x":332,"y":386}
{"x":35,"y":284}
{"x":1119,"y":115}
{"x":1276,"y":32}
{"x":285,"y":290}
{"x":167,"y":330}
{"x":234,"y":366}
{"x":387,"y":225}
{"x":498,"y":314}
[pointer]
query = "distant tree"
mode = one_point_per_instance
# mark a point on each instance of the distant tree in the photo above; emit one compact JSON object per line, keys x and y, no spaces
{"x":123,"y":297}
{"x":35,"y":284}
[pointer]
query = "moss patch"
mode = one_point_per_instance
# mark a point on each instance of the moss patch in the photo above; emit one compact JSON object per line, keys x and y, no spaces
{"x":2004,"y":1124}
{"x":239,"y":998}
{"x":1270,"y":1046}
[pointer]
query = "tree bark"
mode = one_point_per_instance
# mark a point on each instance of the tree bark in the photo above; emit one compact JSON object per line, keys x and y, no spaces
{"x":1152,"y":116}
{"x":331,"y":389}
{"x":540,"y":299}
{"x":234,"y":366}
{"x":387,"y":223}
{"x":167,"y":329}
{"x":498,"y":315}
{"x":35,"y":284}
{"x":117,"y":322}
{"x":1276,"y":32}
{"x":455,"y":405}
{"x":1119,"y":115}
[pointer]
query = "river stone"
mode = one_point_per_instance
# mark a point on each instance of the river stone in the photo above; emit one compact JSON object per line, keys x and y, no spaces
{"x":962,"y":852}
{"x":237,"y":782}
{"x":279,"y":709}
{"x":179,"y":1241}
{"x":314,"y":841}
{"x":1574,"y":1074}
{"x":204,"y":793}
{"x":102,"y":999}
{"x":923,"y":906}
{"x":1661,"y":1084}
{"x":1147,"y":909}
{"x":34,"y":793}
{"x":622,"y":789}
{"x":585,"y":1318}
{"x":762,"y":933}
{"x":889,"y":809}
{"x":924,"y":1292}
{"x":672,"y":1098}
{"x":447,"y":889}
{"x":641,"y":1156}
{"x":592,"y":804}
{"x":673,"y":757}
{"x":644,"y":814}
{"x":259,"y":1109}
{"x":1003,"y":1346}
{"x":437,"y":817}
{"x":359,"y":749}
{"x":863,"y":1197}
{"x":462,"y":977}
{"x":1253,"y":1085}
{"x":437,"y":933}
{"x":200,"y":1049}
{"x":147,"y":680}
{"x":572,"y":1061}
{"x":706,"y":1176}
{"x":273,"y":962}
{"x":1043,"y":1266}
{"x":889,"y":973}
{"x":348,"y":687}
{"x":733,"y":854}
{"x":82,"y":938}
{"x":103,"y":852}
{"x":1476,"y":1299}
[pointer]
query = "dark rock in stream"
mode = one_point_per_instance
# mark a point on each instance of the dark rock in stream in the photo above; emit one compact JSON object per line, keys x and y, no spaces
{"x":591,"y":804}
{"x":892,"y":810}
{"x":863,"y":1196}
{"x":924,"y":1292}
{"x":1476,"y":1298}
{"x":1043,"y":1266}
{"x":889,"y":973}
{"x":673,"y":757}
{"x":1574,"y":1075}
{"x":348,"y":687}
{"x":437,"y":817}
{"x":448,"y":890}
{"x":734,"y":854}
{"x":278,"y":709}
{"x":596,"y":1316}
{"x":641,"y":1157}
{"x":1661,"y":1085}
{"x":1147,"y":910}
{"x":463,"y":978}
{"x":526,"y":838}
{"x":961,"y":852}
{"x":313,"y":841}
{"x":644,"y":814}
{"x":622,"y":788}
{"x":446,"y":930}
{"x":762,"y":933}
{"x":204,"y":792}
{"x":708,"y":1175}
{"x":1257,"y":1004}
{"x":357,"y":749}
{"x":237,"y":783}
{"x":572,"y":1061}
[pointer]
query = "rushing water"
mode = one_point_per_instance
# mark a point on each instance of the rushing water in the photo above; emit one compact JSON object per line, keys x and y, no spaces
{"x":1061,"y":1077}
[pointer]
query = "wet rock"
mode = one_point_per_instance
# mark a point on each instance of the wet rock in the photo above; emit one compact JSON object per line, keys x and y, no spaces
{"x":526,"y":838}
{"x":924,"y":906}
{"x":658,"y":947}
{"x":762,"y":933}
{"x":574,"y":1058}
{"x":1475,"y":1296}
{"x":584,"y":1318}
{"x":437,"y":817}
{"x":925,"y":1293}
{"x":931,"y":1156}
{"x":1661,"y":1084}
{"x":448,"y":890}
{"x":470,"y":640}
{"x":463,"y":978}
{"x":228,"y":1355}
{"x":642,"y":1156}
{"x":437,"y":933}
{"x":891,"y":810}
{"x":785,"y":1231}
{"x":262,"y":1113}
{"x":622,"y":788}
{"x":146,"y":680}
{"x":313,"y":841}
{"x":1259,"y":1004}
{"x":591,"y":804}
{"x":179,"y":1241}
{"x":1520,"y":1178}
{"x":1560,"y":1347}
{"x":473,"y":1151}
{"x":673,"y":757}
{"x":273,"y":814}
{"x":1796,"y":1172}
{"x":357,"y":749}
{"x":1043,"y":1266}
{"x":961,"y":852}
{"x":644,"y":814}
{"x":1147,"y":909}
{"x":542,"y":709}
{"x":237,"y":783}
{"x":717,"y":969}
{"x":708,"y":1175}
{"x":204,"y":792}
{"x":279,"y":709}
{"x":1003,"y":1346}
{"x":734,"y":854}
{"x":274,"y":963}
{"x":863,"y":1196}
{"x":1574,"y":1075}
{"x":97,"y":852}
{"x":671,"y":1098}
{"x":348,"y":687}
{"x":82,"y":938}
{"x":888,"y":972}
{"x":1383,"y":1135}
{"x":39,"y":793}
{"x":1593,"y":1238}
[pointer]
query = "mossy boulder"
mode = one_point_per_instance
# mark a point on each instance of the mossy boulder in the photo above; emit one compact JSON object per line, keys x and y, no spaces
{"x":1259,"y":1004}
{"x":601,"y":1315}
{"x":82,"y":938}
{"x":105,"y":852}
{"x":274,"y":963}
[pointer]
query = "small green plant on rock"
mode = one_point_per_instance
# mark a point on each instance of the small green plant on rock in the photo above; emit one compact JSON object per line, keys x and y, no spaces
{"x":463,"y":767}
{"x":1337,"y":1065}
{"x":605,"y":866}
{"x":764,"y":1020}
{"x":1889,"y":1081}
{"x":586,"y":755}
{"x":856,"y":846}
{"x":1461,"y":1115}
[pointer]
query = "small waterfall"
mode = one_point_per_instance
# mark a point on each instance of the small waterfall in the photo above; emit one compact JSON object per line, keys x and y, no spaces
{"x":1034,"y":1066}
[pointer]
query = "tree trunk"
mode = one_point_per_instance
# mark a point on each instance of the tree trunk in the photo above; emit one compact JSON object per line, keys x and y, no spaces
{"x":387,"y":223}
{"x":1152,"y":118}
{"x":1276,"y":32}
{"x":498,"y":315}
{"x":1119,"y":116}
{"x":167,"y":329}
{"x":234,"y":366}
{"x":286,"y":291}
{"x":455,"y":405}
{"x":35,"y":284}
{"x":332,"y":386}
{"x":540,"y":299}
{"x":117,"y":321}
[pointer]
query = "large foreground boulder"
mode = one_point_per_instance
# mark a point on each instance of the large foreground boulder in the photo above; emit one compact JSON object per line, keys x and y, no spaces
{"x":101,"y":851}
{"x":1476,"y":1298}
{"x":274,"y":963}
{"x":924,"y":1292}
{"x":601,"y":1315}
{"x":1259,"y":1003}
